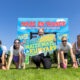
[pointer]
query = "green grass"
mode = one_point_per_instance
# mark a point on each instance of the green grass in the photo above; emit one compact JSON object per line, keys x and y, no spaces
{"x":31,"y":73}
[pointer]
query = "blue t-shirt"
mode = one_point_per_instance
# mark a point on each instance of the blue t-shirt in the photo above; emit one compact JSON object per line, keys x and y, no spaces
{"x":1,"y":51}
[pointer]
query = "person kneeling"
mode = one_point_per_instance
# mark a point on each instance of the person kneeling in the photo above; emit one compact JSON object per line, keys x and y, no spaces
{"x":64,"y":48}
{"x":16,"y":53}
{"x":3,"y":51}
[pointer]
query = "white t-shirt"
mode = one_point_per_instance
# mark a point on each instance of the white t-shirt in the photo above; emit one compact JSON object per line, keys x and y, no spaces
{"x":4,"y":48}
{"x":16,"y":52}
{"x":65,"y":48}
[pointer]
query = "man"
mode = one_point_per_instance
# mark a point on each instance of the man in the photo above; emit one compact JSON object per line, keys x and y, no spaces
{"x":37,"y":59}
{"x":3,"y":51}
{"x":16,"y":52}
{"x":64,"y":48}
{"x":76,"y":49}
{"x":41,"y":32}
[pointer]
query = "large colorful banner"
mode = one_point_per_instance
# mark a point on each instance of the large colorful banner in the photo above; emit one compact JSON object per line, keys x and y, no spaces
{"x":43,"y":44}
{"x":27,"y":32}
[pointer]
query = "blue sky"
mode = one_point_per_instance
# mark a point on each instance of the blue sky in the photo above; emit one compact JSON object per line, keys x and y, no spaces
{"x":11,"y":10}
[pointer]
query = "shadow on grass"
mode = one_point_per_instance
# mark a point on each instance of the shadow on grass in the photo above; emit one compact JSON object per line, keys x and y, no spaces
{"x":28,"y":67}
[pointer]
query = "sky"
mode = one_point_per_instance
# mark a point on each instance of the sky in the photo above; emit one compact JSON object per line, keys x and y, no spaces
{"x":11,"y":10}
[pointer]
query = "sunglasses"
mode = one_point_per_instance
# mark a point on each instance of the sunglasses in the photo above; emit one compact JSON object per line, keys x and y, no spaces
{"x":64,"y":40}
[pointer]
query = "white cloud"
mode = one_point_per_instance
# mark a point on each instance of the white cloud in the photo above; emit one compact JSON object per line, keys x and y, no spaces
{"x":58,"y":20}
{"x":23,"y":28}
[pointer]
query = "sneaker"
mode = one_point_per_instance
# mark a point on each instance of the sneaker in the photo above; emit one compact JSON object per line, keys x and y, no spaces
{"x":23,"y":66}
{"x":19,"y":67}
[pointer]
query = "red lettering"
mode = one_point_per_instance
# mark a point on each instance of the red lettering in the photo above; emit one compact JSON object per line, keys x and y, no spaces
{"x":24,"y":23}
{"x":40,"y":24}
{"x":29,"y":24}
{"x":62,"y":23}
{"x":48,"y":23}
{"x":57,"y":24}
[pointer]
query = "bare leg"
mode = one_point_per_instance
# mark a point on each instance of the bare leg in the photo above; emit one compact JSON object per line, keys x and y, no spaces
{"x":20,"y":60}
{"x":16,"y":64}
{"x":23,"y":61}
{"x":3,"y":61}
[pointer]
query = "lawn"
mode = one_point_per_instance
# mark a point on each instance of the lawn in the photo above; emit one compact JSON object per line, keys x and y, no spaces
{"x":31,"y":73}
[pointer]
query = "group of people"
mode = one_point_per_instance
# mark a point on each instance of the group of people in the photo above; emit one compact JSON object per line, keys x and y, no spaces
{"x":62,"y":52}
{"x":17,"y":54}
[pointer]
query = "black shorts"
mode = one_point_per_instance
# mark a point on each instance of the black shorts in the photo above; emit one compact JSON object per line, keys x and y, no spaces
{"x":77,"y":55}
{"x":65,"y":55}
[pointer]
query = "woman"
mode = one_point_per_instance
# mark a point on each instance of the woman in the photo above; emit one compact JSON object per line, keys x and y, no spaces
{"x":76,"y":49}
{"x":64,"y":48}
{"x":16,"y":53}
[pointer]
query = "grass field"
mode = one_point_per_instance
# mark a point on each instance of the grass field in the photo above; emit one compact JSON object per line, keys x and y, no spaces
{"x":31,"y":73}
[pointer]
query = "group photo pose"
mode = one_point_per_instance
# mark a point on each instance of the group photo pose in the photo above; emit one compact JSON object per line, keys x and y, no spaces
{"x":17,"y":55}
